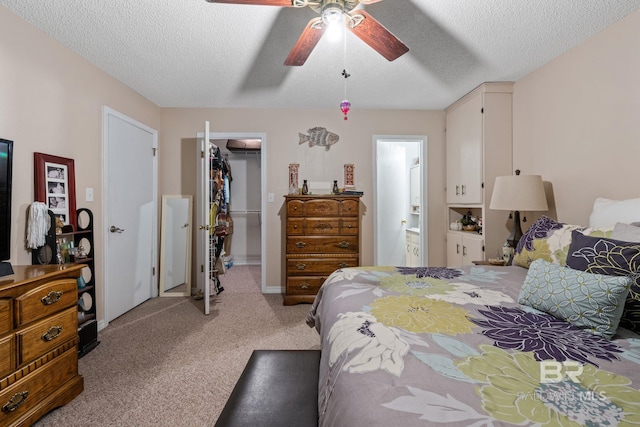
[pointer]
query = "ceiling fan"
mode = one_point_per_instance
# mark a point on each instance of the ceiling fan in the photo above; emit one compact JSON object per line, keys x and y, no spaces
{"x":359,"y":22}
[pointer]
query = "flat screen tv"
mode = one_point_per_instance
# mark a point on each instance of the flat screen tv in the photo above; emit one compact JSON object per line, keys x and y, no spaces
{"x":6,"y":161}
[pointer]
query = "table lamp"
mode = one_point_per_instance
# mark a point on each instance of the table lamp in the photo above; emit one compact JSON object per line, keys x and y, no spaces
{"x":518,"y":193}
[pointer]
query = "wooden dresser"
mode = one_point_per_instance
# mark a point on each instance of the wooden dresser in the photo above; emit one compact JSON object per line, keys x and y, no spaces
{"x":323,"y":235}
{"x":38,"y":341}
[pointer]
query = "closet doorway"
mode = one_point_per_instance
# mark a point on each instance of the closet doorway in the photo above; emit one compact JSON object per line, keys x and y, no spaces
{"x":245,"y":245}
{"x":400,"y":195}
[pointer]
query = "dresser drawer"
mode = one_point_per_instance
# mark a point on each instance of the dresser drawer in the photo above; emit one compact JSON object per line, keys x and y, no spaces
{"x":47,"y":334}
{"x":6,"y":317}
{"x":322,"y":207}
{"x":295,"y":208}
{"x":304,"y":285}
{"x":7,"y":355}
{"x":28,"y":392}
{"x":322,"y":266}
{"x":349,"y":207}
{"x":314,"y":226}
{"x":349,"y":226}
{"x":46,"y":300}
{"x":322,"y":245}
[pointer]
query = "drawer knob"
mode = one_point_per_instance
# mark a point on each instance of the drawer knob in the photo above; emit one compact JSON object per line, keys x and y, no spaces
{"x":343,"y":265}
{"x":344,"y":244}
{"x":52,"y":333}
{"x":51,"y":298}
{"x":304,"y":285}
{"x":15,"y":401}
{"x":301,"y":266}
{"x":301,"y":245}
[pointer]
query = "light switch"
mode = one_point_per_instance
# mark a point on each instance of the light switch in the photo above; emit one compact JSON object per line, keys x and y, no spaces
{"x":89,"y":195}
{"x":270,"y":198}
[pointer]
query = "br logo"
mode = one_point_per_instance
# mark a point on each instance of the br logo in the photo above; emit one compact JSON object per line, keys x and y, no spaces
{"x":554,"y":372}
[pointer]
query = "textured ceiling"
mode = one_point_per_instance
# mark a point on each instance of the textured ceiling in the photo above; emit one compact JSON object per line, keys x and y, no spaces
{"x":190,"y":53}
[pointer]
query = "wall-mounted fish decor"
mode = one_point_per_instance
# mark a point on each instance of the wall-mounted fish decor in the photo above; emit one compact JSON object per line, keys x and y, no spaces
{"x":320,"y":137}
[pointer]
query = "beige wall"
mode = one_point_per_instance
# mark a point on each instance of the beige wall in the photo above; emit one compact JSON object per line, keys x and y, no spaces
{"x":577,"y":121}
{"x":51,"y":102}
{"x":281,"y":127}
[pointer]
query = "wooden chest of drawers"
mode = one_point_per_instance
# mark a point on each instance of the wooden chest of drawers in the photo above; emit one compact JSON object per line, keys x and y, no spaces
{"x":322,"y":235}
{"x":38,"y":341}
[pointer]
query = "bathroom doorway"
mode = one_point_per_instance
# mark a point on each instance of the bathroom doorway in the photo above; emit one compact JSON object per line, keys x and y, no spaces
{"x":400,"y":200}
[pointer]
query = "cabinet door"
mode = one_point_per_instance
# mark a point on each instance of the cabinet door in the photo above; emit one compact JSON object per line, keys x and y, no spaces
{"x":415,"y":255}
{"x":454,"y":250}
{"x":472,"y":249}
{"x":408,"y":254}
{"x":464,"y":150}
{"x":454,"y":127}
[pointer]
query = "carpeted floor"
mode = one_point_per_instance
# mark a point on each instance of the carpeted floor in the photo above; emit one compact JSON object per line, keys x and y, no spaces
{"x":165,"y":363}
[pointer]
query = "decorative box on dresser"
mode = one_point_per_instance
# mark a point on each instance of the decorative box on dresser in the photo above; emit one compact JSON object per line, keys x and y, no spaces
{"x":322,"y":236}
{"x":38,"y":341}
{"x":478,"y":149}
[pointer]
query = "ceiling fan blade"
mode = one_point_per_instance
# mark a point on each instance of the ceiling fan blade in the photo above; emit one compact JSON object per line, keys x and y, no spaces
{"x":366,"y":2}
{"x":377,"y":36}
{"x":282,"y":3}
{"x":309,"y":38}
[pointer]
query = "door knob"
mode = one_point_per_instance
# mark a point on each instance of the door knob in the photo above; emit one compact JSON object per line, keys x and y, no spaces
{"x":404,"y":221}
{"x":115,"y":229}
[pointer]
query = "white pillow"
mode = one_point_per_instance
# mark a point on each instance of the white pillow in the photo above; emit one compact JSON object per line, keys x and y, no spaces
{"x":608,"y":212}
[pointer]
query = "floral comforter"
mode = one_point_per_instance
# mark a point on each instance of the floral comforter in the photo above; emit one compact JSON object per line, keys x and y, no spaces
{"x":440,"y":346}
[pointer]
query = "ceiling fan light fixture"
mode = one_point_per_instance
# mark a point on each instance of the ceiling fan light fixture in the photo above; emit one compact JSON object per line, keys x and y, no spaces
{"x":332,"y":12}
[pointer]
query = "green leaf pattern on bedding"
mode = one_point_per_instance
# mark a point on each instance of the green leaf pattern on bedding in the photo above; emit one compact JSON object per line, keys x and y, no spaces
{"x":512,"y":392}
{"x":410,"y":284}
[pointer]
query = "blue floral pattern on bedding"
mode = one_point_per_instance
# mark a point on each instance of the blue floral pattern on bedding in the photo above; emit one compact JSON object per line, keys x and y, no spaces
{"x":423,"y":347}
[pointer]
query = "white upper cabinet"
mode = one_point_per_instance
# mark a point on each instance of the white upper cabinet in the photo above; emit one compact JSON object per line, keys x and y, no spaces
{"x":478,"y":142}
{"x":464,"y":152}
{"x":478,"y":149}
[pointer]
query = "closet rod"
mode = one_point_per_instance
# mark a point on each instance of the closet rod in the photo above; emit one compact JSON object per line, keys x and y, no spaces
{"x":245,"y":212}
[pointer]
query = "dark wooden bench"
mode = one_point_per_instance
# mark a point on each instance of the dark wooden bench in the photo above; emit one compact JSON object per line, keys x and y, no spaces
{"x":277,"y":388}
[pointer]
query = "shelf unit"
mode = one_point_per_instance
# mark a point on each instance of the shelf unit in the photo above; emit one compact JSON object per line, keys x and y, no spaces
{"x":48,"y":254}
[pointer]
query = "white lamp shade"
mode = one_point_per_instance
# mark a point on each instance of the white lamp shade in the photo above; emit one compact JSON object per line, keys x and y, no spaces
{"x":519,"y":193}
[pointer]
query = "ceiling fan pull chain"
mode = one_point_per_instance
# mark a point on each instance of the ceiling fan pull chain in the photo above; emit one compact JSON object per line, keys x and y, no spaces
{"x":345,"y":105}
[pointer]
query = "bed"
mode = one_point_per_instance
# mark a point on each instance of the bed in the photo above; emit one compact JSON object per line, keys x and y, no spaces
{"x":477,"y":346}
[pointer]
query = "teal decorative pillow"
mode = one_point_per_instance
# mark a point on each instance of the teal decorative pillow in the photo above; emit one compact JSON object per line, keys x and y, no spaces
{"x":589,"y":301}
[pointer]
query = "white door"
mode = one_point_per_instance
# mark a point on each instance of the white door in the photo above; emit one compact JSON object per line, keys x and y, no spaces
{"x":130,"y":213}
{"x":202,"y":217}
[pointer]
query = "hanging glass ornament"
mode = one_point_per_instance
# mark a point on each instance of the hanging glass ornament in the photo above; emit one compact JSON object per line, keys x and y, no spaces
{"x":345,"y":106}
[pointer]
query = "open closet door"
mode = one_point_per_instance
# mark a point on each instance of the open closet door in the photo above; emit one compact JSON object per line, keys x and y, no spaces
{"x":203,"y":219}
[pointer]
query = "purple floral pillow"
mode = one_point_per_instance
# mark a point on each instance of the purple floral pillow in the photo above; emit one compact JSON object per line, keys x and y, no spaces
{"x":538,"y":230}
{"x":549,"y":240}
{"x":527,"y":249}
